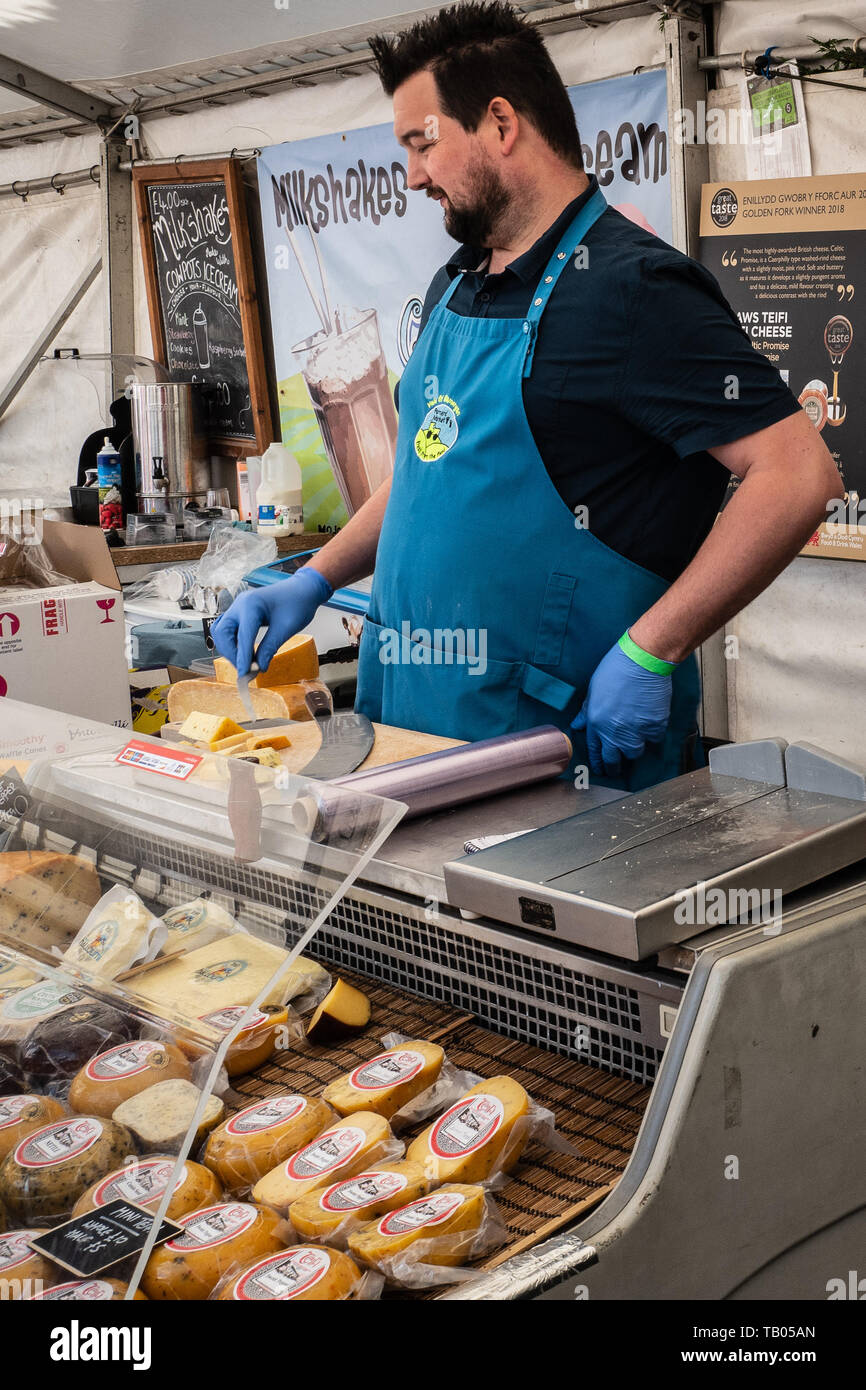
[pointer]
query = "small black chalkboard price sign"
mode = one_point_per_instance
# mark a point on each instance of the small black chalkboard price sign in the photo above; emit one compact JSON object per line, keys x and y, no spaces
{"x":201,"y":293}
{"x":89,"y":1244}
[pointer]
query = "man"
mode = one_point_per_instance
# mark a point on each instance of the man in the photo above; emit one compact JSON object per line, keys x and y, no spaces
{"x":575,"y":403}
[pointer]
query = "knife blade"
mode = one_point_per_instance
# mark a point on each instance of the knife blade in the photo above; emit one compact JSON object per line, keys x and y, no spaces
{"x":346,"y":739}
{"x":244,"y":692}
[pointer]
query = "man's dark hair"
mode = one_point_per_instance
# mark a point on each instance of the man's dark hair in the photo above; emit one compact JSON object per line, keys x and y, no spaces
{"x":478,"y":51}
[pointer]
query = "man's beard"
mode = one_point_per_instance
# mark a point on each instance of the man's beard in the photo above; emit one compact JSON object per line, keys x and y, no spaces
{"x":474,"y":222}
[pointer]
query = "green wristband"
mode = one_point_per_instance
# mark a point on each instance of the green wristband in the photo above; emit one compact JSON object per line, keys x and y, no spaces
{"x":644,"y":659}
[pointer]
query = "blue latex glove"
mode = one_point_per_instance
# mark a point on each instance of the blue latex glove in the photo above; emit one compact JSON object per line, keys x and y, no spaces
{"x":626,"y":707}
{"x":284,"y":609}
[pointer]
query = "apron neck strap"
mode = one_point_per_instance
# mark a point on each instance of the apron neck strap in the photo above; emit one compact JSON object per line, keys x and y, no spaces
{"x":569,"y":245}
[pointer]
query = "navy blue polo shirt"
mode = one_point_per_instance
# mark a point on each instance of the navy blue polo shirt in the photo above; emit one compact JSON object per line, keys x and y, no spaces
{"x":639,"y":368}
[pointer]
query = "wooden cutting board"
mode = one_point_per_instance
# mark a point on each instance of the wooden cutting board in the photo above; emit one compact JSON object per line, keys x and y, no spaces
{"x":392,"y":745}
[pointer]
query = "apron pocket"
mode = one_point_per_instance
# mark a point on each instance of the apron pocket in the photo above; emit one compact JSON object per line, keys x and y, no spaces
{"x":553,"y":625}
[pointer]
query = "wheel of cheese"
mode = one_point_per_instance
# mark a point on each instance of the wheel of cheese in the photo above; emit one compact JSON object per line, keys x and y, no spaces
{"x":301,"y":1272}
{"x":12,"y":1078}
{"x":256,"y":1139}
{"x":143,"y":1181}
{"x":159,"y":1117}
{"x":388,"y":1082}
{"x":114,"y":1076}
{"x":355,"y":1201}
{"x":346,"y":1148}
{"x":45,"y":898}
{"x":447,"y":1222}
{"x":20,"y":1115}
{"x":56,"y":1048}
{"x":485,"y":1132}
{"x":23,"y":1009}
{"x":45,"y":1175}
{"x":21,"y":1267}
{"x":4,"y":1219}
{"x":100,"y":1290}
{"x":214,"y":1241}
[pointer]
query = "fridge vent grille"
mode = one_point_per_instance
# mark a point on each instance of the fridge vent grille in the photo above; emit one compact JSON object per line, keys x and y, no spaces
{"x":540,"y":1001}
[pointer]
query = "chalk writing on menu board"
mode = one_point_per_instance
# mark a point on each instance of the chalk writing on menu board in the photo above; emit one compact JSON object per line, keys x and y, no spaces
{"x":198,"y":293}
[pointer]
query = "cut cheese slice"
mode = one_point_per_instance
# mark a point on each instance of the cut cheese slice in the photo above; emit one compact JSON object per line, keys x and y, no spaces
{"x":114,"y":937}
{"x":302,"y":1272}
{"x":159,"y":1117}
{"x":295,"y":660}
{"x":226,"y":745}
{"x":388,"y":1082}
{"x":45,"y":898}
{"x":346,"y":1148}
{"x":209,"y":728}
{"x":485,"y":1132}
{"x":265,"y":757}
{"x":353,"y":1201}
{"x":444,"y":1224}
{"x":228,"y":971}
{"x":262,"y":1136}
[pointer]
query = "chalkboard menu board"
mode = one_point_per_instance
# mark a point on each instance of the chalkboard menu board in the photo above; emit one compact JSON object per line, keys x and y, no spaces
{"x":201,"y":294}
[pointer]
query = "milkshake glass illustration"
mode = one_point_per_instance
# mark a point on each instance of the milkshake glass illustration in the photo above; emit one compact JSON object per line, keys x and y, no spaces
{"x":202,"y":346}
{"x":346,"y":376}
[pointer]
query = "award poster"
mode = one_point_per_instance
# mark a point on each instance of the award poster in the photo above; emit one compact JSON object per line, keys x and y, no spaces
{"x":789,"y":256}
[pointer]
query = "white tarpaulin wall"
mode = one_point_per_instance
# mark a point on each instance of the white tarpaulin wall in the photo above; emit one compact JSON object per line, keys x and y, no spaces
{"x":802,"y":649}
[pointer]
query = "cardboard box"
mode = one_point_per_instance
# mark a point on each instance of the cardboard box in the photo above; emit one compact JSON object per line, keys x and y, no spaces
{"x":63,"y":647}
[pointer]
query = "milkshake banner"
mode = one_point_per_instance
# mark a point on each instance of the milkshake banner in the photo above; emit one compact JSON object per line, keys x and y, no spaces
{"x":788,"y":255}
{"x":350,"y":253}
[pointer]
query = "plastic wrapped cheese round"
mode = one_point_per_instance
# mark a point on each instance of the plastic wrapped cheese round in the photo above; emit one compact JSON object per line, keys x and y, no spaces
{"x":484,"y":1133}
{"x":387,"y":1082}
{"x":23,"y":1269}
{"x":257,"y":1041}
{"x":117,"y":1074}
{"x":259,"y":1137}
{"x":358,"y":1142}
{"x":57,"y":1047}
{"x":100,"y":1290}
{"x":331,"y":1213}
{"x":21,"y":1115}
{"x":144,"y":1180}
{"x":214,"y":1241}
{"x":42,"y":1179}
{"x":303,"y":1272}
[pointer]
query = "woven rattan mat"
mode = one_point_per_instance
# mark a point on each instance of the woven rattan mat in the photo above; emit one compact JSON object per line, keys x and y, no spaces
{"x":598,"y":1113}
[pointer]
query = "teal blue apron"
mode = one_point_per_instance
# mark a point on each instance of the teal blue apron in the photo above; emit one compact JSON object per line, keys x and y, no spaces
{"x":491,"y":607}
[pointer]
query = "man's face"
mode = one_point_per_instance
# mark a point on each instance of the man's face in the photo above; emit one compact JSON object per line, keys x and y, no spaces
{"x":452,"y":165}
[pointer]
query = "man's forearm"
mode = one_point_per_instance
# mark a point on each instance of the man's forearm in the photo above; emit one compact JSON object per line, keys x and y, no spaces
{"x":764,"y":526}
{"x":351,"y":554}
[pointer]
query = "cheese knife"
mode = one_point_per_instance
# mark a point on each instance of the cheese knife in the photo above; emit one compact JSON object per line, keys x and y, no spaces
{"x":346,"y":738}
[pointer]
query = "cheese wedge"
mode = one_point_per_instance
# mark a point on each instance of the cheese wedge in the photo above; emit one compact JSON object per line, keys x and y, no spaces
{"x":263,"y":1135}
{"x":486,"y":1131}
{"x":353,"y":1201}
{"x":195,"y":924}
{"x":159,"y":1117}
{"x":346,"y":1148}
{"x":265,"y":757}
{"x":45,"y":898}
{"x":302,"y":1272}
{"x":276,"y":741}
{"x":217,"y":697}
{"x":295,"y":660}
{"x":447,"y":1222}
{"x":388,"y":1082}
{"x":202,"y":727}
{"x":226,"y":745}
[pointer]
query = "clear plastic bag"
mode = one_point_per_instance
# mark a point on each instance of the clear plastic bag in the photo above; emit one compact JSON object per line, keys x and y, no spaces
{"x":263,"y":1135}
{"x":25,"y":565}
{"x":119,"y":933}
{"x":231,"y":554}
{"x":302,"y":1272}
{"x":425,"y":1242}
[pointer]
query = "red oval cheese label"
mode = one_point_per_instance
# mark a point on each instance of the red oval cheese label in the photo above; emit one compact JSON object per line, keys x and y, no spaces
{"x":388,"y":1069}
{"x":331,"y":1150}
{"x":141,"y":1182}
{"x":128,"y":1059}
{"x":466,"y":1126}
{"x":57,"y":1143}
{"x":13,"y":1109}
{"x":426,"y":1211}
{"x":213,"y":1226}
{"x":96,"y":1290}
{"x":224,"y":1020}
{"x":265,"y":1114}
{"x":15,"y":1249}
{"x":361,"y":1191}
{"x":283,"y":1276}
